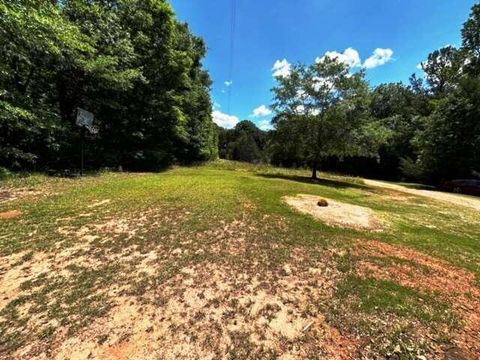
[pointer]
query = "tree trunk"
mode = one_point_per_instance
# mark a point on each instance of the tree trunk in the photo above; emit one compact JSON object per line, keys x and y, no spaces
{"x":314,"y":172}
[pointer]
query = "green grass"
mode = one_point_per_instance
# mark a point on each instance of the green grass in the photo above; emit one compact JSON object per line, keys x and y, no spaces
{"x":217,"y":191}
{"x":190,"y":203}
{"x":388,"y":297}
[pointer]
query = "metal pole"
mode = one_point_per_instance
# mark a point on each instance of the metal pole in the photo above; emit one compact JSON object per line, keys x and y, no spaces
{"x":82,"y":141}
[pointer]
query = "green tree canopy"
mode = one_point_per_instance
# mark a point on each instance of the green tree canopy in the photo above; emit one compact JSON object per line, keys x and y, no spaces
{"x":324,"y":108}
{"x":130,"y":62}
{"x":245,"y":142}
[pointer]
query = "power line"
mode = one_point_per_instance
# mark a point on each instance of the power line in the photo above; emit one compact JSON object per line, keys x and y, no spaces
{"x":233,"y":24}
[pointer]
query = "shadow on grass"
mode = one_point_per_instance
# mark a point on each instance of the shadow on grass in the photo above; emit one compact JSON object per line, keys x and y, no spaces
{"x":322,"y":181}
{"x":419,"y":186}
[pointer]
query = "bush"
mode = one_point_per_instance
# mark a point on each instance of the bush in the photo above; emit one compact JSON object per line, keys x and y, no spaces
{"x":4,"y":173}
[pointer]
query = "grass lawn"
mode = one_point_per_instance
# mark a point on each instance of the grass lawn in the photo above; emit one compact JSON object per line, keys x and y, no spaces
{"x":210,"y":262}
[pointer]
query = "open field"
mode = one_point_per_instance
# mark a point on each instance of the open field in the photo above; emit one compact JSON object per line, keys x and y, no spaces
{"x":211,"y":262}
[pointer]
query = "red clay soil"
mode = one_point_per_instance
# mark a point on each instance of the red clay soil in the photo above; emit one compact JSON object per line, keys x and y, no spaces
{"x":12,"y":214}
{"x":456,"y":284}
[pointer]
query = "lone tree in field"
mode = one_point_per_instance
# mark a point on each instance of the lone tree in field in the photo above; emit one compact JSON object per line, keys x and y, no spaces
{"x":322,"y":111}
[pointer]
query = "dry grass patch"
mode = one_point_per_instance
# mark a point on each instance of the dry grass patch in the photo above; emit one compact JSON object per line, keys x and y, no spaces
{"x":99,"y":203}
{"x":10,"y":194}
{"x":211,"y":311}
{"x":164,"y":303}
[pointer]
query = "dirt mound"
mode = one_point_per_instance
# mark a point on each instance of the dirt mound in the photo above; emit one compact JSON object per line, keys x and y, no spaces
{"x":336,"y":213}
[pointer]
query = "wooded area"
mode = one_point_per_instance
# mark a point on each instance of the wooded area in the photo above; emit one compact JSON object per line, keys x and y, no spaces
{"x":129,"y":62}
{"x":139,"y":70}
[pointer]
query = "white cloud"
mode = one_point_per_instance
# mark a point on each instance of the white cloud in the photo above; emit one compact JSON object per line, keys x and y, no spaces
{"x":265,"y":125}
{"x":349,"y":57}
{"x":420,"y":67}
{"x":261,"y":111}
{"x":322,"y":83}
{"x":379,"y":57}
{"x":281,"y":68}
{"x":224,"y":120}
{"x":228,"y":83}
{"x":300,"y":109}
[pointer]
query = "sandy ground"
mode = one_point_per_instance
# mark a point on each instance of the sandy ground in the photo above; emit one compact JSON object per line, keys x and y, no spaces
{"x":205,"y":311}
{"x":214,"y":311}
{"x":336,"y":213}
{"x":436,"y":195}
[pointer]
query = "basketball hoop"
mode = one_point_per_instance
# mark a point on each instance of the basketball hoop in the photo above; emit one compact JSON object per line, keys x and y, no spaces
{"x":84,"y":120}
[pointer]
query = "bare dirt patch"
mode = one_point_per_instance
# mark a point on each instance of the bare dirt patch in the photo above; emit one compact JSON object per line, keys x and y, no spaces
{"x":337,"y":213}
{"x":248,"y":205}
{"x":10,"y":194}
{"x":436,"y":195}
{"x":13,"y":271}
{"x":209,"y":312}
{"x":12,"y":214}
{"x":425,"y":272}
{"x":115,"y":226}
{"x":21,"y":267}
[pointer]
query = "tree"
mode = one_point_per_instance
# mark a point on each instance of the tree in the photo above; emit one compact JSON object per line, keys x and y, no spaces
{"x":246,"y":142}
{"x":471,"y":40}
{"x":130,"y":62}
{"x":442,"y":68}
{"x":202,"y":140}
{"x":168,"y":113}
{"x":326,"y":108}
{"x":288,"y":142}
{"x":449,"y":145}
{"x":401,"y":109}
{"x":447,"y":142}
{"x":34,"y":37}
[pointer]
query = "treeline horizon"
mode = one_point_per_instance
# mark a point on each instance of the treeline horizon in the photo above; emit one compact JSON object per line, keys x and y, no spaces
{"x":139,"y":71}
{"x":329,"y":118}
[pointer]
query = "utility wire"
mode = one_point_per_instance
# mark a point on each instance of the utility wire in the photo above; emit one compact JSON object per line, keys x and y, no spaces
{"x":233,"y":25}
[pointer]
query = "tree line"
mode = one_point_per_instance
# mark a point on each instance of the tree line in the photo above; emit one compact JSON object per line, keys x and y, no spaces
{"x":139,"y":71}
{"x":129,"y":62}
{"x":329,"y":117}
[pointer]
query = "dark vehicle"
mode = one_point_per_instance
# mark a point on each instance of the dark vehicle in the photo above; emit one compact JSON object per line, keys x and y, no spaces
{"x":464,"y":186}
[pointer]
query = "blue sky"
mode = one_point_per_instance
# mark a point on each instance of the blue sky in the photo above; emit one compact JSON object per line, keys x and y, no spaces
{"x":267,"y":31}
